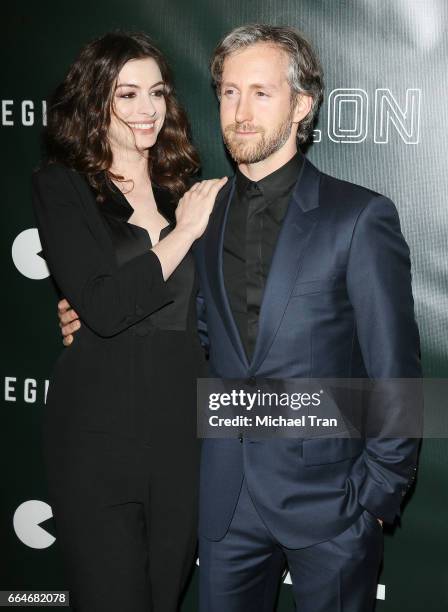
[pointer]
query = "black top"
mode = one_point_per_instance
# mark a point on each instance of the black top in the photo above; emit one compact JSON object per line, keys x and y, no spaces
{"x":253,"y":224}
{"x":131,"y":240}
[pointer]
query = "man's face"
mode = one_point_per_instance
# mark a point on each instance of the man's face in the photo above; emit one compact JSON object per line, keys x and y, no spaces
{"x":258,"y":116}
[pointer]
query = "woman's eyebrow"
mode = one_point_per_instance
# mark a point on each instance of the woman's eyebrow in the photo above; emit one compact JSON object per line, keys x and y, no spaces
{"x":138,"y":86}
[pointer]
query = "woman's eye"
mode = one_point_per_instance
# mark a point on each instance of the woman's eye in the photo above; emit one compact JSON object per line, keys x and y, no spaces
{"x":158,"y":93}
{"x":130,"y":94}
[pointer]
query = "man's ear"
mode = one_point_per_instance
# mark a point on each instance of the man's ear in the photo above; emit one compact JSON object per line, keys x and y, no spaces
{"x":302,"y":107}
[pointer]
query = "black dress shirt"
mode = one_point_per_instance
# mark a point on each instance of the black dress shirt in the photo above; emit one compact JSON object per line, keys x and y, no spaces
{"x":253,"y":224}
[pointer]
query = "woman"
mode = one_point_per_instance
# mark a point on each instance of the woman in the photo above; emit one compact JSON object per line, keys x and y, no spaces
{"x":119,"y":433}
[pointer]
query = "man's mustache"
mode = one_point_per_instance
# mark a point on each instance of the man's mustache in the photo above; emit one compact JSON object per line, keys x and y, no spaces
{"x":243,"y":127}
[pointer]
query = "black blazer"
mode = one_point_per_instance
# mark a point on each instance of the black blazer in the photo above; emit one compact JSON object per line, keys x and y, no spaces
{"x":91,"y":384}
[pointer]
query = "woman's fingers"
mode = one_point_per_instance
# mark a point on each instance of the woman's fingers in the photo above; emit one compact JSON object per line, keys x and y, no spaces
{"x":213,"y":186}
{"x":198,"y":188}
{"x":204,"y":188}
{"x":219,"y":183}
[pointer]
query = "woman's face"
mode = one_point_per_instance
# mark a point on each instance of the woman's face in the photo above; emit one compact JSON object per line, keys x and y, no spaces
{"x":139,"y":104}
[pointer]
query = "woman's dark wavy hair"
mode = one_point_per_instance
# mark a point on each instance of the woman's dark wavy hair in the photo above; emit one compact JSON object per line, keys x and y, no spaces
{"x":79,"y":116}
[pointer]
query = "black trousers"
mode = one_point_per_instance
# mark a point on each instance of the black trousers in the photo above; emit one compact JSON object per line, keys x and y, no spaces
{"x":126,"y":518}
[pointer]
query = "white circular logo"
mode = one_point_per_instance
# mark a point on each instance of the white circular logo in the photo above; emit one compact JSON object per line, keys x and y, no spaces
{"x":26,"y":521}
{"x":25,"y":255}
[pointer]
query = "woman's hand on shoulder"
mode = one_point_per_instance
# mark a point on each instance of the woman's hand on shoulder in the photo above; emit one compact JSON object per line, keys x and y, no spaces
{"x":196,"y":205}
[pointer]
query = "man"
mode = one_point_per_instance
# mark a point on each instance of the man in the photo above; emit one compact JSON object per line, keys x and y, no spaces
{"x":301,"y":275}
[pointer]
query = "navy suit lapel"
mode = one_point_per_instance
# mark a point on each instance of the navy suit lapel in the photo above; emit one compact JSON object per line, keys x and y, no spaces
{"x":214,"y":264}
{"x":297,"y":227}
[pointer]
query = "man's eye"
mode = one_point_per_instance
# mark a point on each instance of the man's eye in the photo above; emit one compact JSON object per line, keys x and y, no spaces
{"x":261,"y":94}
{"x":229,"y":92}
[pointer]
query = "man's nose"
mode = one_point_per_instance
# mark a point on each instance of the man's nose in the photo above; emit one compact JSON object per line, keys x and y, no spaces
{"x":243,"y":110}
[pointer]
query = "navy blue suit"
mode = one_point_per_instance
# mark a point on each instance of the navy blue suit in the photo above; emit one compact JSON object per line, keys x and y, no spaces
{"x":337,"y":304}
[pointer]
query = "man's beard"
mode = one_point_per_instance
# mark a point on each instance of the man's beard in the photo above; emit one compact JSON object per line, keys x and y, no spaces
{"x":246,"y":153}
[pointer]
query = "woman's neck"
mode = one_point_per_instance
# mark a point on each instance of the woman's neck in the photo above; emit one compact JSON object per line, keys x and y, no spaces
{"x":132,"y":166}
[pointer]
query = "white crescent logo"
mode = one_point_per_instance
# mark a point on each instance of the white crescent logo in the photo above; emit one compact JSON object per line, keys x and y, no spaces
{"x":25,"y":255}
{"x":26,"y":521}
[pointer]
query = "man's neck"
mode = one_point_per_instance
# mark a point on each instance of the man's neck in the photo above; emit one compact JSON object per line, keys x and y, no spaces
{"x":258,"y":171}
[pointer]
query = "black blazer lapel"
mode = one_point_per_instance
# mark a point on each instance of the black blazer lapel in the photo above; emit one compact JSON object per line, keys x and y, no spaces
{"x":297,"y":227}
{"x":214,"y":264}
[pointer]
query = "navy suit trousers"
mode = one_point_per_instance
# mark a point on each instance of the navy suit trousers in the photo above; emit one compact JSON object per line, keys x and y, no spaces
{"x":241,"y":572}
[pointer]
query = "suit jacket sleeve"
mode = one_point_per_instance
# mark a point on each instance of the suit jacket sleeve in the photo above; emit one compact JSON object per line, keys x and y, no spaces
{"x":107,"y":298}
{"x":379,"y":287}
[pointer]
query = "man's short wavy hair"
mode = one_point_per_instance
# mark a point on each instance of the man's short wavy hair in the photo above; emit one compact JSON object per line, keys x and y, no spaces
{"x":304,"y":71}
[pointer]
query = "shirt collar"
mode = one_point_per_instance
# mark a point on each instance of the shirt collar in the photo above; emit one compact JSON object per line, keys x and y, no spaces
{"x":274,"y":185}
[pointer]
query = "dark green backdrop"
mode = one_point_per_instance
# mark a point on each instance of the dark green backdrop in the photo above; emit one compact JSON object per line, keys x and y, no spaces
{"x":383,"y":125}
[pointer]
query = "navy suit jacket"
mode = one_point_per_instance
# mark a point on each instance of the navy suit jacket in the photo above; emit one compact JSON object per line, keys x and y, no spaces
{"x":337,"y":304}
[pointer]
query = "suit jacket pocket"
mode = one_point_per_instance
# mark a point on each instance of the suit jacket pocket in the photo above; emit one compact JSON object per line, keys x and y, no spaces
{"x":318,"y":451}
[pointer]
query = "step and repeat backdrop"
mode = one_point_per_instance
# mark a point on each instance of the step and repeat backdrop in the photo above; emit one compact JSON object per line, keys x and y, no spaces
{"x":383,"y":124}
